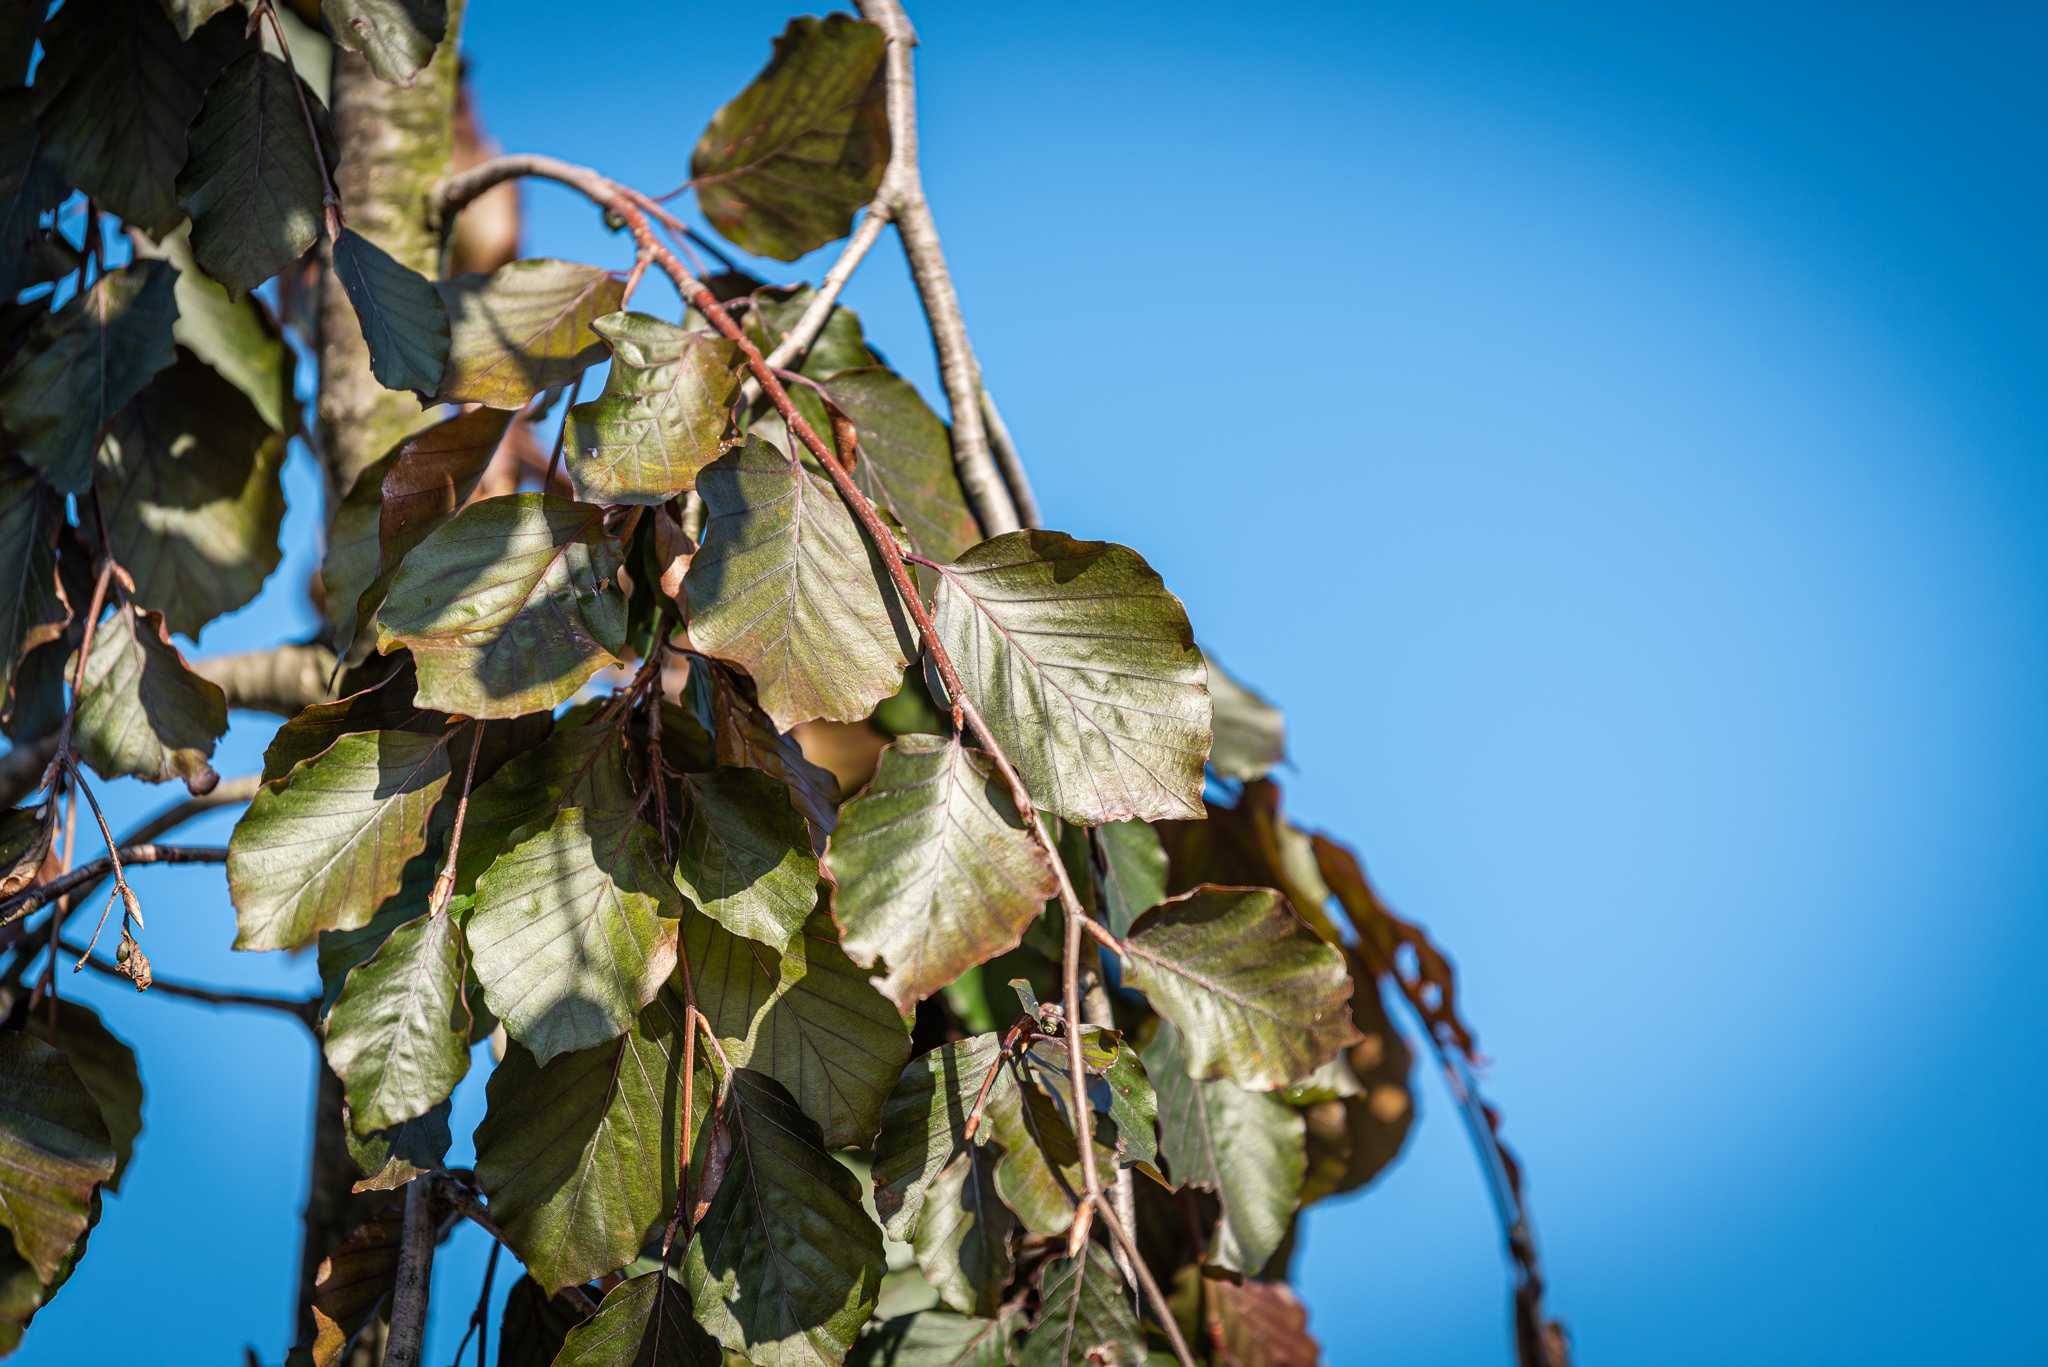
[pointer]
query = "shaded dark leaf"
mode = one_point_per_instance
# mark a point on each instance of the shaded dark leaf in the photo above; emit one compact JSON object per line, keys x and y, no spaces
{"x":644,"y":1321}
{"x":1083,"y":1316}
{"x":31,"y":610}
{"x":906,"y":459}
{"x":1251,"y":735}
{"x":54,"y":1151}
{"x":391,"y":1158}
{"x":936,"y":1338}
{"x":403,"y":321}
{"x":236,"y":336}
{"x":744,"y":854}
{"x":105,"y":1064}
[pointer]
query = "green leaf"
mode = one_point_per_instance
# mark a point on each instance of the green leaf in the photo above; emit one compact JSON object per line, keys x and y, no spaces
{"x":786,"y":588}
{"x":508,"y":607}
{"x":1083,"y":1316}
{"x":745,"y":855}
{"x":120,"y":90}
{"x":54,"y":1151}
{"x":743,"y":734}
{"x":644,"y":1321}
{"x":1086,"y":670}
{"x":324,"y":848}
{"x":82,"y":364}
{"x":932,"y":868}
{"x":381,"y":707}
{"x":962,"y":1243}
{"x":935,"y":1338}
{"x":786,"y":1265}
{"x":1247,"y":1147}
{"x":663,"y":414}
{"x":391,"y":1158}
{"x":398,"y":37}
{"x":906,"y":459}
{"x":839,"y":345}
{"x":1131,"y":873}
{"x":580,"y":764}
{"x":523,"y":328}
{"x":782,"y":168}
{"x":574,"y":931}
{"x":142,"y":712}
{"x":105,"y":1065}
{"x":1251,"y":735}
{"x":189,"y":483}
{"x":410,"y":490}
{"x":1259,"y":997}
{"x":398,"y":1036}
{"x":237,"y":337}
{"x":404,"y":323}
{"x":31,"y":610}
{"x":23,"y":1291}
{"x":805,"y":1017}
{"x":1132,"y":1103}
{"x":579,"y":1157}
{"x":254,"y":183}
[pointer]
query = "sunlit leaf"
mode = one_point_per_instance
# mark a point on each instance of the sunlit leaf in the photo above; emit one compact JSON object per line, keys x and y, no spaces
{"x":1086,"y":670}
{"x":322,"y":849}
{"x":574,"y":931}
{"x":54,"y":1151}
{"x":508,"y":607}
{"x":662,"y":417}
{"x":744,"y":854}
{"x":188,"y":478}
{"x":786,"y":588}
{"x":142,"y":712}
{"x":397,"y":37}
{"x":1260,"y":999}
{"x":579,"y":1157}
{"x":932,"y":867}
{"x":1083,"y":1316}
{"x":806,"y":1017}
{"x":523,"y":328}
{"x":962,"y":1241}
{"x":253,"y":184}
{"x":1247,"y":1147}
{"x":782,"y":168}
{"x":81,"y":364}
{"x":398,"y":1036}
{"x":404,"y":323}
{"x":786,"y":1265}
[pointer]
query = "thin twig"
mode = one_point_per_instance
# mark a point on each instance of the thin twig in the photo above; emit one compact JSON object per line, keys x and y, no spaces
{"x":444,"y":884}
{"x":228,"y":792}
{"x":411,"y":1278}
{"x":305,"y":1009}
{"x":22,"y":903}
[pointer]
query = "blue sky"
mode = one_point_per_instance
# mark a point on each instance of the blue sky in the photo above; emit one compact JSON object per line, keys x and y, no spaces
{"x":1616,"y":438}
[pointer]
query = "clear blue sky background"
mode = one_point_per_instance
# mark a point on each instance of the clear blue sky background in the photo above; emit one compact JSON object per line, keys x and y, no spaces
{"x":1616,"y":435}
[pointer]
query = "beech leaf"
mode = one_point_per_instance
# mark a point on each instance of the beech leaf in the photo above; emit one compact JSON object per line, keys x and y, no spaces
{"x":744,"y":855}
{"x":324,"y":847}
{"x":935,"y":1338}
{"x":189,"y":481}
{"x":933,"y":872}
{"x":1083,"y":1316}
{"x":391,"y":1158}
{"x":786,"y":1265}
{"x":397,"y":37}
{"x":121,"y":88}
{"x":523,"y":328}
{"x":105,"y":1065}
{"x":398,"y":1035}
{"x":663,"y":414}
{"x":579,"y":1157}
{"x":1260,"y":999}
{"x":804,"y":1016}
{"x":906,"y":459}
{"x":644,"y":1321}
{"x":1251,"y":734}
{"x":254,"y":183}
{"x":574,"y":931}
{"x":786,"y":588}
{"x":508,"y":607}
{"x":962,"y":1244}
{"x":81,"y":365}
{"x":1086,"y":670}
{"x":54,"y":1151}
{"x":782,"y":168}
{"x":404,"y":323}
{"x":31,"y":610}
{"x":142,"y":712}
{"x":1248,"y":1147}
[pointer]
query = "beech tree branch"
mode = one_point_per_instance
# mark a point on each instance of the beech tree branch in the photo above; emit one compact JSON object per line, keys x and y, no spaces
{"x":282,"y":680}
{"x":903,"y":191}
{"x":22,"y":903}
{"x":410,"y":1280}
{"x":811,"y":322}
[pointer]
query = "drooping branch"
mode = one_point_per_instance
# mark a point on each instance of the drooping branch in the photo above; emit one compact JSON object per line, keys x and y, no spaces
{"x":304,"y":1009}
{"x":22,"y":903}
{"x":281,"y":681}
